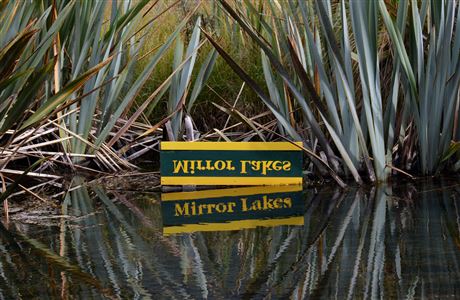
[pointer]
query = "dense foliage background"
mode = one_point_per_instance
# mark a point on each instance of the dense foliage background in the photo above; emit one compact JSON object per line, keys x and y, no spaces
{"x":370,"y":87}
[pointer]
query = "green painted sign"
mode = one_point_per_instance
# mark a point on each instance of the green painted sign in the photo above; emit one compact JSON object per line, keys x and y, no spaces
{"x":231,"y":163}
{"x":232,"y":209}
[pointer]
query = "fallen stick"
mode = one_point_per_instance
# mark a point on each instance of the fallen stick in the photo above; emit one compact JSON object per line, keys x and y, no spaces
{"x":33,"y":174}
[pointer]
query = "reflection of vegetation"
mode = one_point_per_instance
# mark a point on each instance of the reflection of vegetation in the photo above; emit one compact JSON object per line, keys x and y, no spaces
{"x":356,"y":245}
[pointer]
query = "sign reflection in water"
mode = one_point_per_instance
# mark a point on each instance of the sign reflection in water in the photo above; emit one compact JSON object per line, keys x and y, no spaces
{"x":399,"y":242}
{"x":232,"y":209}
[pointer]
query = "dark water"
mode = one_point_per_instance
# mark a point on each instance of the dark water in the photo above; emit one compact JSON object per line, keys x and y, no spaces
{"x":387,"y":242}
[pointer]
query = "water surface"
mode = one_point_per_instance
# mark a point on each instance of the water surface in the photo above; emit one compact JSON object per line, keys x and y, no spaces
{"x":386,"y":242}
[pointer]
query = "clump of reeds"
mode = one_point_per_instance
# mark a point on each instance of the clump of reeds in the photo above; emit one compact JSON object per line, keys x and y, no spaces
{"x":68,"y":87}
{"x":371,"y":87}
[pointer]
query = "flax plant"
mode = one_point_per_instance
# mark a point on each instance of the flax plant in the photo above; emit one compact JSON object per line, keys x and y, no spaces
{"x":431,"y":70}
{"x":68,"y":78}
{"x":181,"y":82}
{"x":329,"y":60}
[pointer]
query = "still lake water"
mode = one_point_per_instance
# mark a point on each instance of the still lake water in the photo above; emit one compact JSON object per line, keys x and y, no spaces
{"x":388,"y":242}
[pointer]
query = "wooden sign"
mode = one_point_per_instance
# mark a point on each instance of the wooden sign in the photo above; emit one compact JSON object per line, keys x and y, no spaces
{"x":232,"y":209}
{"x":231,"y":163}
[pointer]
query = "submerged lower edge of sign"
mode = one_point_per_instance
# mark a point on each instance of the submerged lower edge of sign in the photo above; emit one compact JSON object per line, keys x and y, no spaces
{"x":189,"y":180}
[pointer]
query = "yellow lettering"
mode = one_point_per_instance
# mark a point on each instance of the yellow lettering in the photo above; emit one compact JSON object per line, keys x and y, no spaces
{"x":193,"y":208}
{"x":180,"y":166}
{"x":221,"y":208}
{"x":231,"y":205}
{"x":200,"y":209}
{"x":192,"y":166}
{"x":255,"y":165}
{"x":208,"y":165}
{"x":256,"y":205}
{"x":277,"y":203}
{"x":199,"y":166}
{"x":230,"y":167}
{"x":219,"y":165}
{"x":244,"y":206}
{"x":268,"y":203}
{"x":287,"y":202}
{"x":182,"y":211}
{"x":210,"y":207}
{"x":243,"y":166}
{"x":286,"y":165}
{"x":266,"y":166}
{"x":277,"y":165}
